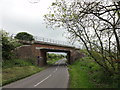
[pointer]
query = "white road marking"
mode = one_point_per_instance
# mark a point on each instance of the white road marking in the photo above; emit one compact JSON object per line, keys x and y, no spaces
{"x":50,"y":74}
{"x":60,"y":62}
{"x":54,"y":71}
{"x":42,"y":80}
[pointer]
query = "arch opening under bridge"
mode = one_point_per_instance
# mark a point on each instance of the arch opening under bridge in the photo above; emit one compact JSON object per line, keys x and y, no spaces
{"x":43,"y":54}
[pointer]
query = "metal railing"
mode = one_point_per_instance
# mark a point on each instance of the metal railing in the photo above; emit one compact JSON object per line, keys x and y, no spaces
{"x":52,"y":41}
{"x":48,"y":40}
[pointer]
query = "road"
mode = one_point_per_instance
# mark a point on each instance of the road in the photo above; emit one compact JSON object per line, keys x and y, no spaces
{"x":56,"y":76}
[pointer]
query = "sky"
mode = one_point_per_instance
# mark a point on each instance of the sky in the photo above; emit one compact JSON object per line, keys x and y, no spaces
{"x":24,"y":16}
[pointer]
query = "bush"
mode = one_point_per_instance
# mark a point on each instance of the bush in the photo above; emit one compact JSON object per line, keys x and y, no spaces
{"x":31,"y":60}
{"x":52,"y":58}
{"x":99,"y":76}
{"x":15,"y":62}
{"x":8,"y":44}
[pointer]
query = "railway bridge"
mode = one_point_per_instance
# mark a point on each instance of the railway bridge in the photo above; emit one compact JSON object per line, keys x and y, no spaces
{"x":33,"y":49}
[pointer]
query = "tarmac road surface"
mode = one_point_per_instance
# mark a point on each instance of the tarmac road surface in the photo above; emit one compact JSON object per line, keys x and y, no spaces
{"x":56,"y":76}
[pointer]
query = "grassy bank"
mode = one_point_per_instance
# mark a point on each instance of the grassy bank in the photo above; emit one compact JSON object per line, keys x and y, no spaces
{"x":79,"y":77}
{"x":85,"y":73}
{"x":16,"y":73}
{"x":16,"y":69}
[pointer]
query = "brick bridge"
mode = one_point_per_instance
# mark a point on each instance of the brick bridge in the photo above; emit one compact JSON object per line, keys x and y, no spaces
{"x":31,"y":50}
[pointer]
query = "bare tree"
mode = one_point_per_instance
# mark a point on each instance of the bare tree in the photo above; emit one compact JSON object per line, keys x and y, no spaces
{"x":94,"y":23}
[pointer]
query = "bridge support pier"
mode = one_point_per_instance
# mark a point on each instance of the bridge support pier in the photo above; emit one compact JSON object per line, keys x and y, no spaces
{"x":69,"y":58}
{"x":43,"y":61}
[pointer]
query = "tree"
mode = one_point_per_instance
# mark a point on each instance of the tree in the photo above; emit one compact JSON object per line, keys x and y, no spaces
{"x":95,"y":23}
{"x":24,"y":36}
{"x":7,"y":46}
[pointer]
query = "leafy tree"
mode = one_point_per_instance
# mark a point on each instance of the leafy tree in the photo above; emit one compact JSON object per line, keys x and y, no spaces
{"x":24,"y":36}
{"x":8,"y":44}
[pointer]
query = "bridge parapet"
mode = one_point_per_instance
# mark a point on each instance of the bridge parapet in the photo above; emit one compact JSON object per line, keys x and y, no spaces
{"x":52,"y":41}
{"x":47,"y":40}
{"x":43,"y":43}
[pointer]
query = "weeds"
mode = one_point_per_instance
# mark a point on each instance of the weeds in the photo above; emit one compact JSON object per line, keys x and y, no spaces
{"x":15,"y":63}
{"x":85,"y":73}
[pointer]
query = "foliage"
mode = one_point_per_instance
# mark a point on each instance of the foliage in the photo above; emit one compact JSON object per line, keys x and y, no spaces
{"x":8,"y":44}
{"x":15,"y":63}
{"x":31,"y":60}
{"x":79,"y":78}
{"x":17,"y":73}
{"x":95,"y":24}
{"x":24,"y":36}
{"x":85,"y":73}
{"x":15,"y":69}
{"x":52,"y":58}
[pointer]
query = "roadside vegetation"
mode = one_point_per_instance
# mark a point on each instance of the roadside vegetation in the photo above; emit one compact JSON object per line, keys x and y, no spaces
{"x":85,"y":73}
{"x":52,"y":58}
{"x":13,"y":68}
{"x":16,"y":69}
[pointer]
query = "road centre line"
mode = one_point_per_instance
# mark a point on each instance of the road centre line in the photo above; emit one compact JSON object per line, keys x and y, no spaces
{"x":49,"y":75}
{"x":46,"y":77}
{"x":55,"y":70}
{"x":42,"y":80}
{"x":60,"y":62}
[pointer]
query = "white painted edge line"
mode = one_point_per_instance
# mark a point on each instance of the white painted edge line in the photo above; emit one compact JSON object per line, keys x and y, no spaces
{"x":49,"y":75}
{"x":67,"y":73}
{"x":42,"y":80}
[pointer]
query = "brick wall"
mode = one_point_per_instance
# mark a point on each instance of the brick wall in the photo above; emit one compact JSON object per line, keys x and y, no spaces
{"x":30,"y":52}
{"x":26,"y":52}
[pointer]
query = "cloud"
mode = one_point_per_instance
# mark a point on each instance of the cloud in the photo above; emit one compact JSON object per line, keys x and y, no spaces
{"x":20,"y":15}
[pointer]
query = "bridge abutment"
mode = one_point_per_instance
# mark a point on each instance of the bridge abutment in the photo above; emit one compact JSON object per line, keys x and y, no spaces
{"x":44,"y":58}
{"x":69,"y":58}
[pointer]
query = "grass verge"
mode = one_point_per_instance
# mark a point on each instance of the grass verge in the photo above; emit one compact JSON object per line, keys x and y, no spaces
{"x":79,"y":77}
{"x":85,"y":73}
{"x":16,"y":73}
{"x":16,"y":70}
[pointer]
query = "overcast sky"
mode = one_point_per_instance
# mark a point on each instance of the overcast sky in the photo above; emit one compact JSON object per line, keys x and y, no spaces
{"x":21,"y":15}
